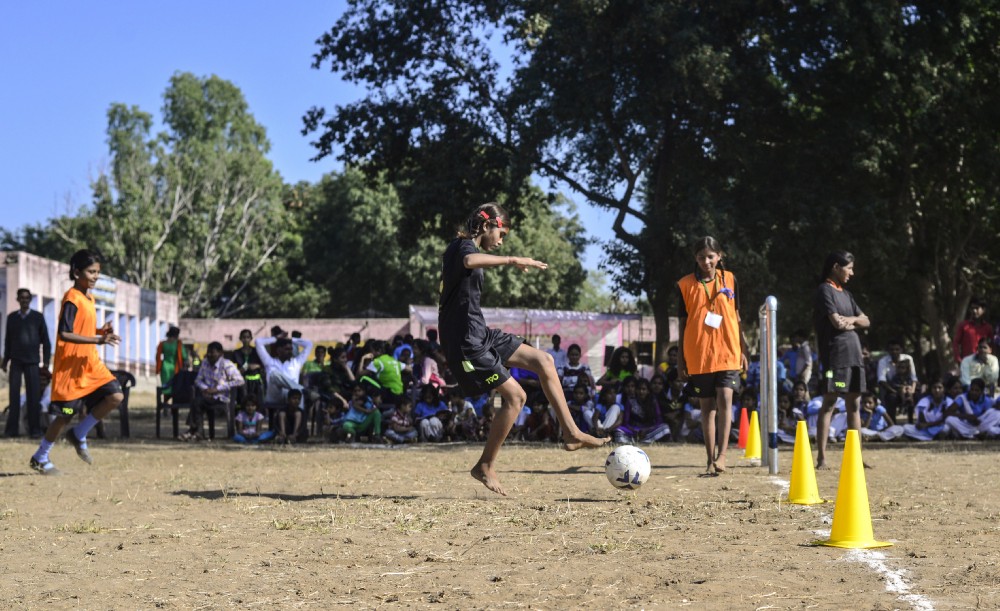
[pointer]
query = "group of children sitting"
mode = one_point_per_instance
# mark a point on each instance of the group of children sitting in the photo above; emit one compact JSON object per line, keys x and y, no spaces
{"x":948,"y":411}
{"x":382,"y":394}
{"x":439,"y":414}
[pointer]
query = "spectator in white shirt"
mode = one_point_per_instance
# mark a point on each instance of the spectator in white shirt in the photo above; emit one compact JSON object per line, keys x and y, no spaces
{"x":982,"y":364}
{"x":284,"y":368}
{"x":558,"y":354}
{"x":887,"y":364}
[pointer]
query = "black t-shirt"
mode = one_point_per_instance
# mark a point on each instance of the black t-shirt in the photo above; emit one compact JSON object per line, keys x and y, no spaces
{"x":461,"y":325}
{"x":837,"y":348}
{"x":67,"y":318}
{"x":244,"y":359}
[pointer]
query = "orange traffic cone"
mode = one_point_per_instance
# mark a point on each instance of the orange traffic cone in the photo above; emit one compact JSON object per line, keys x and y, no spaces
{"x":852,"y":518}
{"x":744,"y":429}
{"x":752,"y":451}
{"x":803,"y":490}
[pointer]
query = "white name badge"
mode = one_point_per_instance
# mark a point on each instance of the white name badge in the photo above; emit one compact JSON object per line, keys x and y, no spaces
{"x":713,"y":320}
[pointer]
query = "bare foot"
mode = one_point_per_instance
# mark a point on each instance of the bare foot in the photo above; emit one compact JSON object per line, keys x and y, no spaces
{"x":720,"y":464}
{"x":821,"y":464}
{"x":489,"y":479}
{"x":866,"y":465}
{"x":583,"y":440}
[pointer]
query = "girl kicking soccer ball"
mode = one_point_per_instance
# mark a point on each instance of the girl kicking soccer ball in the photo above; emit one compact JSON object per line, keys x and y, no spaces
{"x":479,"y":356}
{"x":79,"y":378}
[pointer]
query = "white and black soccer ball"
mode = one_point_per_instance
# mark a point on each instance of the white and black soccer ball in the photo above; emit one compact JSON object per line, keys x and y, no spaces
{"x":627,"y":467}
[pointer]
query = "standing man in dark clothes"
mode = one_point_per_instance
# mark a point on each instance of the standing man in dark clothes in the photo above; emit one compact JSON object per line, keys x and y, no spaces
{"x":26,"y":331}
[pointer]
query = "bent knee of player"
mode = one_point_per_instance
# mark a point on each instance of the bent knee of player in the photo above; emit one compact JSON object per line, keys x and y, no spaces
{"x":513,"y":395}
{"x":542,"y":363}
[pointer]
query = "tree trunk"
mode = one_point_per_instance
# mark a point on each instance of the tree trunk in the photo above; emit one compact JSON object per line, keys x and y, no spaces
{"x":939,"y":329}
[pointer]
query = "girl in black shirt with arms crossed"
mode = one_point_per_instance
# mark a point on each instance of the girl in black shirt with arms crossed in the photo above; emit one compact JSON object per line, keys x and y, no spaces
{"x":836,"y":316}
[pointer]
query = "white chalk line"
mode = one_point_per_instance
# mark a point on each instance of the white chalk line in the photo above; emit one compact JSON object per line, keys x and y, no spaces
{"x":877,"y":561}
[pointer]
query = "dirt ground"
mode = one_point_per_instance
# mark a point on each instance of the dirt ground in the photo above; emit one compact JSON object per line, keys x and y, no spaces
{"x":169,"y":525}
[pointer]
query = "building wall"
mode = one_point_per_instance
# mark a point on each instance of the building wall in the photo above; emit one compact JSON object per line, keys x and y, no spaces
{"x":138,"y":315}
{"x":328,"y":331}
{"x":596,"y":337}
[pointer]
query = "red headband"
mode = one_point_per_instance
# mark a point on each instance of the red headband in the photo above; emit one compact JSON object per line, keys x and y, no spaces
{"x":486,"y":216}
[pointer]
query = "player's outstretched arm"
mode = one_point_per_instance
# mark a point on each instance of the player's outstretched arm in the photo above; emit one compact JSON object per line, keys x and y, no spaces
{"x":479,"y":260}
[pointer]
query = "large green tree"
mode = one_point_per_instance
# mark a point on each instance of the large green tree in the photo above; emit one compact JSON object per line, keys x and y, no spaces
{"x":786,"y":130}
{"x":894,"y":136}
{"x":603,"y":97}
{"x":196,"y":209}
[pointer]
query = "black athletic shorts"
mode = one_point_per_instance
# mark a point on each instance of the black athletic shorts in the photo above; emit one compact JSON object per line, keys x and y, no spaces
{"x":70,"y":408}
{"x":703,"y":385}
{"x":485,"y":372}
{"x":844,"y":380}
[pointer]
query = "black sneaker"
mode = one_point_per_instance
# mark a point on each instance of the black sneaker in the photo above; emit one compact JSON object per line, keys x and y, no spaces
{"x":44,"y":468}
{"x":81,"y":451}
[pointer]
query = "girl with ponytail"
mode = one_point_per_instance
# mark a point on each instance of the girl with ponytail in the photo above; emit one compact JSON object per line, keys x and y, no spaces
{"x":836,"y":317}
{"x":713,"y":350}
{"x":81,"y":382}
{"x":478,"y":356}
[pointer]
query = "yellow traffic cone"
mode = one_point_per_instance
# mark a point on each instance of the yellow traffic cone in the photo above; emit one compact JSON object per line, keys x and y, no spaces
{"x":803,"y":490}
{"x":752,"y":451}
{"x":852,"y":518}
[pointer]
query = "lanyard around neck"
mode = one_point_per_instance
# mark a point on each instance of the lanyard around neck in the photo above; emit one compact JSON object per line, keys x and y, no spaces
{"x":711,"y":298}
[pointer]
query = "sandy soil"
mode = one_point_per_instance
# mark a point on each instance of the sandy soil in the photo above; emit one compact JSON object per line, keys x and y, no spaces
{"x":167,"y":525}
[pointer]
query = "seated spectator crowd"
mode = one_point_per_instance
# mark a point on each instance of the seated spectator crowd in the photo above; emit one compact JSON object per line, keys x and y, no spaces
{"x":961,"y":404}
{"x":286,"y":390}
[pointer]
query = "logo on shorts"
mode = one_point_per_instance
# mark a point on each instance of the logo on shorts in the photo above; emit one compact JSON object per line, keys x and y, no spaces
{"x":67,"y":410}
{"x":467,"y":366}
{"x":696,"y":389}
{"x":840,"y":384}
{"x":829,"y":373}
{"x":493,"y":378}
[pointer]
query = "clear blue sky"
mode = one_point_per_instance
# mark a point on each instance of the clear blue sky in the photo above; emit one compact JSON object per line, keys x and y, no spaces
{"x":63,"y":63}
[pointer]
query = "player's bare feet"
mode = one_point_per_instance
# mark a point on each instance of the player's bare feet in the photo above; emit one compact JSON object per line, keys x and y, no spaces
{"x":720,"y":464}
{"x":583,"y":440}
{"x":488,"y":477}
{"x":821,"y":464}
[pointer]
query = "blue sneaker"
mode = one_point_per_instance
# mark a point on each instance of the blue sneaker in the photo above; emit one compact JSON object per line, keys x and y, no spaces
{"x":44,"y":468}
{"x":81,"y":450}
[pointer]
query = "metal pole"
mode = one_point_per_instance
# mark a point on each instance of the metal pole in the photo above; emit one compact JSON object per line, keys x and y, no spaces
{"x":765,"y":369}
{"x":771,"y":306}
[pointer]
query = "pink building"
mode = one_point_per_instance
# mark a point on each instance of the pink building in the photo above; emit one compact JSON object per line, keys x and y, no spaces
{"x":597,"y":334}
{"x":326,"y":331}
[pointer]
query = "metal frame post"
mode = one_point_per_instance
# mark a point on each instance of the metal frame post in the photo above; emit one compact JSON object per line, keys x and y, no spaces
{"x":769,"y":382}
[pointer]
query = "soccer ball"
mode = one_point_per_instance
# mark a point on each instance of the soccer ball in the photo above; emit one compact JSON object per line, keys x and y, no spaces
{"x":627,"y":467}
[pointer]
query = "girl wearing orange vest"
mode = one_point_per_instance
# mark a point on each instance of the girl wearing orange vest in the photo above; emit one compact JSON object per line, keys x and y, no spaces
{"x":79,"y":378}
{"x":713,"y":350}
